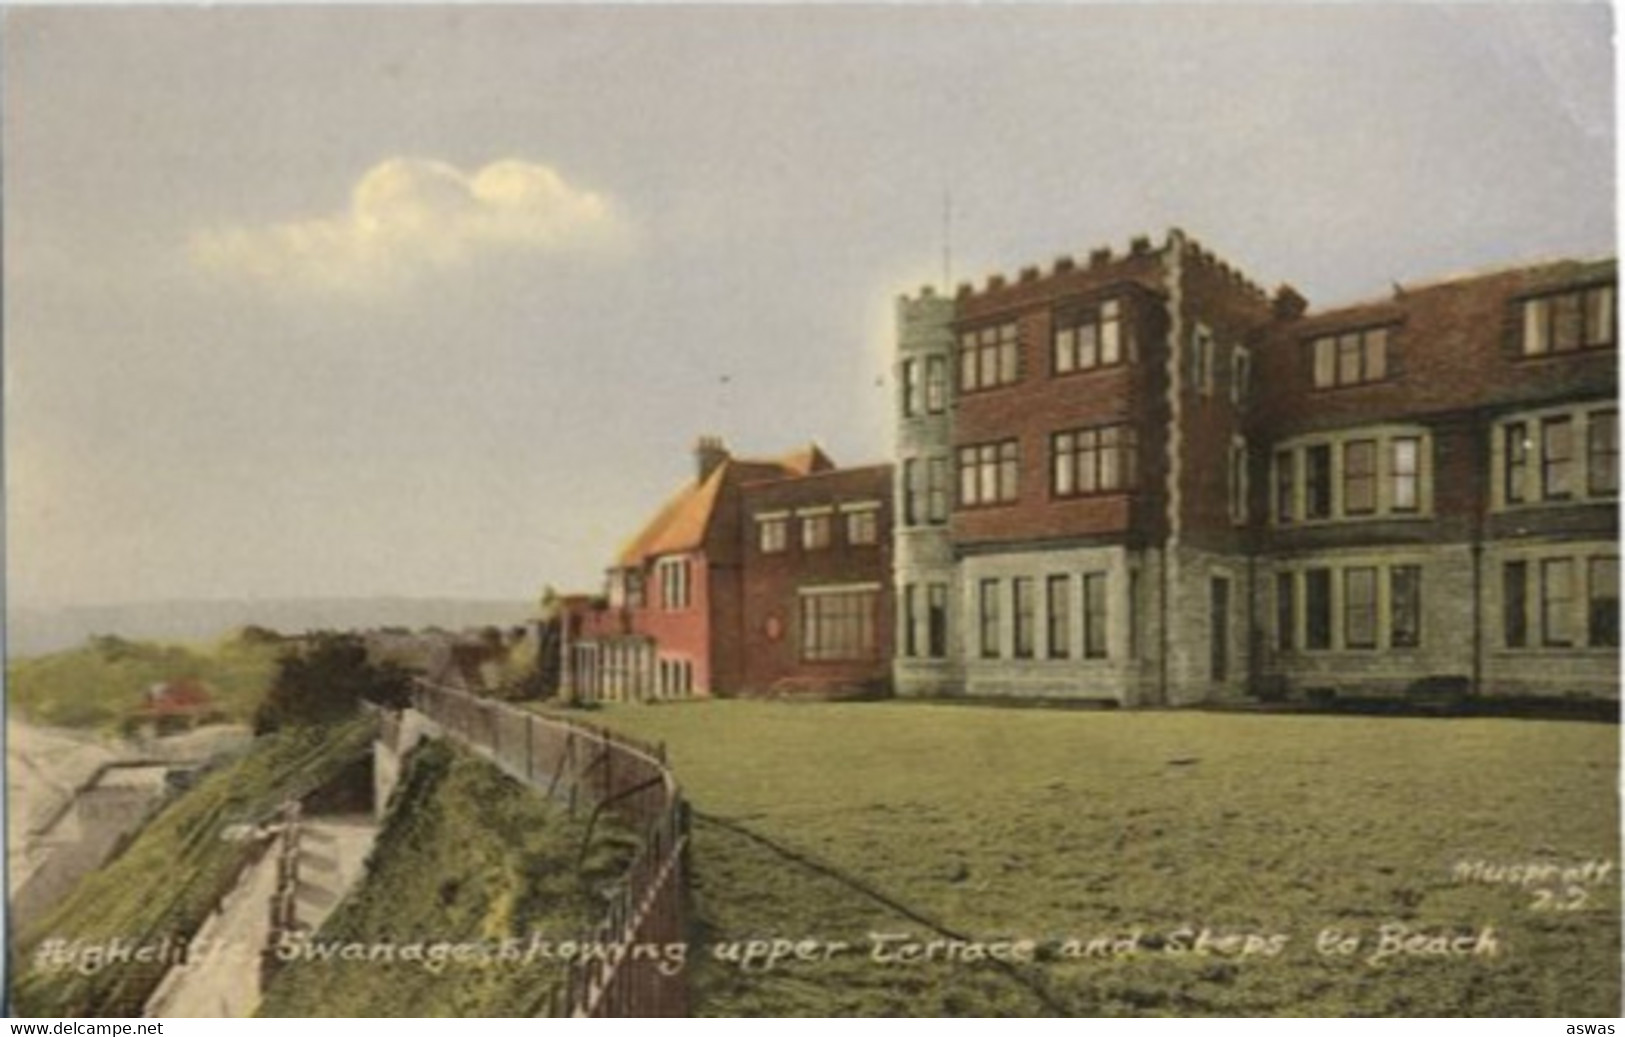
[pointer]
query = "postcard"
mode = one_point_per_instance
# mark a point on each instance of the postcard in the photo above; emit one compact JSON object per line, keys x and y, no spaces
{"x":1100,"y":510}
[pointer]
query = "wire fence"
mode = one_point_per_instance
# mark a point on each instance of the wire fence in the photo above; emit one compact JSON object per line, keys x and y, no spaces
{"x":642,"y":971}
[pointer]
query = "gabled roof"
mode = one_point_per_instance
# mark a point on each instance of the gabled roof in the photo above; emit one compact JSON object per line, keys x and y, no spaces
{"x":682,"y":522}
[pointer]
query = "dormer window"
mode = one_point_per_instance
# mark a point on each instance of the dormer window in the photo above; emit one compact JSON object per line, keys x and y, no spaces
{"x":1569,"y":321}
{"x":1350,"y":358}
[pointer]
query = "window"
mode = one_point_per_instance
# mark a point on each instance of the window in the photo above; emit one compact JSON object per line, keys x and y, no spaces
{"x":1089,"y":338}
{"x":676,"y":677}
{"x":1557,"y":598}
{"x":1556,"y":458}
{"x":815,"y":532}
{"x":1317,"y":608}
{"x":1405,"y":606}
{"x":1405,"y":473}
{"x":1602,"y":603}
{"x":773,"y":534}
{"x":1202,"y":350}
{"x":1558,"y":455}
{"x":1350,"y":358}
{"x":1360,"y":477}
{"x":1568,"y":321}
{"x":1238,"y":482}
{"x":1285,"y":617}
{"x":987,"y":473}
{"x":1556,"y":601}
{"x":1317,"y":482}
{"x":1360,"y":608}
{"x":1025,"y":615}
{"x":1352,"y":475}
{"x":911,"y":491}
{"x":936,"y":488}
{"x":911,"y":388}
{"x":1325,"y":351}
{"x":863,"y":527}
{"x":988,"y":609}
{"x":1602,"y":453}
{"x":1286,"y":467}
{"x":837,"y":625}
{"x":911,"y":641}
{"x":1094,"y":616}
{"x":989,"y":357}
{"x":673,"y":576}
{"x":1095,"y":460}
{"x":1058,"y":613}
{"x":1517,"y":460}
{"x":634,"y":588}
{"x":936,"y":384}
{"x":1241,"y":369}
{"x":936,"y":620}
{"x":1515,"y":604}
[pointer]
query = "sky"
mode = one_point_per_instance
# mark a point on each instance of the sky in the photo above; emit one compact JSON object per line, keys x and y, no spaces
{"x":434,"y":301}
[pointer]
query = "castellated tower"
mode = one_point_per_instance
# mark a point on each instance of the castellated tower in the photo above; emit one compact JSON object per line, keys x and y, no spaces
{"x":928,"y":638}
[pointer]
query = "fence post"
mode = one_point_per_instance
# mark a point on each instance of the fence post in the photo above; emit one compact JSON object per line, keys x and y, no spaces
{"x":530,"y":748}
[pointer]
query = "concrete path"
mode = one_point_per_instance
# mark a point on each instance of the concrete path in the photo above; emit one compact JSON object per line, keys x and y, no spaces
{"x":222,"y":977}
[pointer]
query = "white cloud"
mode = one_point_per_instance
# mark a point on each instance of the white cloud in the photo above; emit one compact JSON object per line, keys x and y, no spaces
{"x":408,"y":217}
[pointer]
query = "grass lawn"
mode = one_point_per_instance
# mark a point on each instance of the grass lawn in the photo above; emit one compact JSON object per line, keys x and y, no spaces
{"x":839,"y":821}
{"x":468,"y":858}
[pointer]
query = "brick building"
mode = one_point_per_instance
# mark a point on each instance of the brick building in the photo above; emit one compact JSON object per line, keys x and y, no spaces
{"x":757,"y":578}
{"x":1143,"y":479}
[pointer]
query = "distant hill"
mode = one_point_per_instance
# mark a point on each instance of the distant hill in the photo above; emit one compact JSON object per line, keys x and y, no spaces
{"x":31,"y":631}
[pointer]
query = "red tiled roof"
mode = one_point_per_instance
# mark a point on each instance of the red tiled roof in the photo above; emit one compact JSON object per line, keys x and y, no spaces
{"x":682,"y":522}
{"x":186,"y":695}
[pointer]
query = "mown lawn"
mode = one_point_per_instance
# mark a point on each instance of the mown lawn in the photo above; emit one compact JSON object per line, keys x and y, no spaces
{"x":470,"y":862}
{"x":1145,"y":827}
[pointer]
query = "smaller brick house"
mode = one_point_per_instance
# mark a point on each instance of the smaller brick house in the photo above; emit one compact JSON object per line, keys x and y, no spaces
{"x":759,"y":577}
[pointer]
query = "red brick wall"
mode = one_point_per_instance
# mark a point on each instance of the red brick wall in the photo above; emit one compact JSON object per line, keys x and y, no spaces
{"x":681,"y":631}
{"x":1041,"y":403}
{"x":770,"y":603}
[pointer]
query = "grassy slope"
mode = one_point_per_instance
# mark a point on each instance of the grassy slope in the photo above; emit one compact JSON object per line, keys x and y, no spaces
{"x":1052,"y":824}
{"x":97,"y":685}
{"x":171,"y":875}
{"x":467,"y":855}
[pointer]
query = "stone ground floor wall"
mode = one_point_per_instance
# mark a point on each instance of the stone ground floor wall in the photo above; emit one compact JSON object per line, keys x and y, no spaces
{"x":1068,"y":669}
{"x":1463,"y":623}
{"x":1588,"y":666}
{"x":921,"y":674}
{"x":1389,"y":665}
{"x":1460,"y":625}
{"x":1207,"y":654}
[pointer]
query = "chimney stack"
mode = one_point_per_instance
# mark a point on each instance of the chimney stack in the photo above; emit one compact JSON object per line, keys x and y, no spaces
{"x":709,"y":453}
{"x":1289,"y":305}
